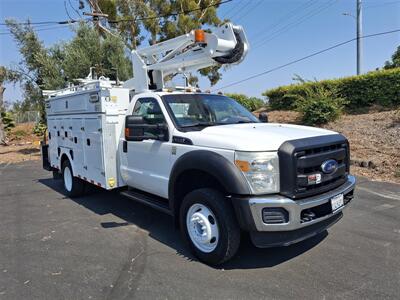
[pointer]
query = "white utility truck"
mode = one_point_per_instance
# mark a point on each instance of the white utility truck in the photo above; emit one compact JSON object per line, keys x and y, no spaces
{"x":200,"y":157}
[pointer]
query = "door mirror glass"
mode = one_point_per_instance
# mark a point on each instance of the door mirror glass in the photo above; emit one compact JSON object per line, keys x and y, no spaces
{"x":137,"y":128}
{"x":146,"y":122}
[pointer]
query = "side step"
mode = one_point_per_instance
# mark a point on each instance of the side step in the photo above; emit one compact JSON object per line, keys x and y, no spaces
{"x":156,"y":202}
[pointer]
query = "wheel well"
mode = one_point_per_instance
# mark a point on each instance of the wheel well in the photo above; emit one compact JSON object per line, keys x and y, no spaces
{"x":64,"y":157}
{"x":191,"y":180}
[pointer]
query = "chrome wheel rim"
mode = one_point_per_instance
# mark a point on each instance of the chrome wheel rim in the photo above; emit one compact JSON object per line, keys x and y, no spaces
{"x":67,"y":179}
{"x":202,"y":227}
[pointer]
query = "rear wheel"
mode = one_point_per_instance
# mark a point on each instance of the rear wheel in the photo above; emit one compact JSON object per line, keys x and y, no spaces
{"x":209,"y":226}
{"x":73,"y":186}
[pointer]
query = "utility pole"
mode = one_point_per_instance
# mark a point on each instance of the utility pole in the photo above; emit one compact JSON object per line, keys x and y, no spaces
{"x":96,"y":14}
{"x":359,"y":34}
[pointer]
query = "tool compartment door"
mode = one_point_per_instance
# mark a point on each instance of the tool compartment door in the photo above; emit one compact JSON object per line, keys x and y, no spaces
{"x":77,"y":144}
{"x":53,"y":142}
{"x":93,"y":151}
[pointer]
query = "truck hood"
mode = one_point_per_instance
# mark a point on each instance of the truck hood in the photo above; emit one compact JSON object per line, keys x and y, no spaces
{"x":252,"y":137}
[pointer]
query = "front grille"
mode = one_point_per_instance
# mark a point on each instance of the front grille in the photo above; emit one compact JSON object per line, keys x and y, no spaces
{"x":301,"y":158}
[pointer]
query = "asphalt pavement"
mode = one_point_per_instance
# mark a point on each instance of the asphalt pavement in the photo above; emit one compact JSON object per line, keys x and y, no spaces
{"x":104,"y":246}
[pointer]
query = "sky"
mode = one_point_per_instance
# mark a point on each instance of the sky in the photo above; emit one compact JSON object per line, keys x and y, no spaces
{"x":279,"y":31}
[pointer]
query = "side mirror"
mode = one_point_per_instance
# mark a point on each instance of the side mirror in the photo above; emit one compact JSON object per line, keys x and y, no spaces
{"x":263,"y":117}
{"x":138,"y":129}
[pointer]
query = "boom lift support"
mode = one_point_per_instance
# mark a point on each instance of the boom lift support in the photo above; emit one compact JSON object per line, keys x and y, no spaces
{"x":186,"y":53}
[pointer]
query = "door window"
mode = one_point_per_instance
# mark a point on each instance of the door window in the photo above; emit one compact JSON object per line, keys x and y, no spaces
{"x":151,"y":112}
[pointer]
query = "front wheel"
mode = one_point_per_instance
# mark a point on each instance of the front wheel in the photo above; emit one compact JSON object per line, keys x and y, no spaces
{"x":209,"y":226}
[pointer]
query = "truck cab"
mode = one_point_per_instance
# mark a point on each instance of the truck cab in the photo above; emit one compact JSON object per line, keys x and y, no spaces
{"x":202,"y":158}
{"x":281,"y":183}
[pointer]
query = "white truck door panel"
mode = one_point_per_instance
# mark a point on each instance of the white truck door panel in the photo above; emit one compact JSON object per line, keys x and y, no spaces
{"x":148,"y":166}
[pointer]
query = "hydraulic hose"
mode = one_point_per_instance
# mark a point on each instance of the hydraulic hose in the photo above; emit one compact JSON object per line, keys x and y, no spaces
{"x":235,"y":55}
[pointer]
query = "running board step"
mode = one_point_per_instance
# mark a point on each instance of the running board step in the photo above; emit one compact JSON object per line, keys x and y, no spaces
{"x":156,"y":202}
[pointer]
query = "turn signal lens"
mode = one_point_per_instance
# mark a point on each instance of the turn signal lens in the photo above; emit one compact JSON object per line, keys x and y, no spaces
{"x":244,"y":166}
{"x":199,"y":36}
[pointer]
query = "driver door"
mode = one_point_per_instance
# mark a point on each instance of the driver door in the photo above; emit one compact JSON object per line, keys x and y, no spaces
{"x":146,"y":164}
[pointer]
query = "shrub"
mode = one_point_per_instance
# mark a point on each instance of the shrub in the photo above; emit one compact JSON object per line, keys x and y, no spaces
{"x":397,"y":173}
{"x":19,"y":134}
{"x":39,"y":129}
{"x":375,"y":88}
{"x":319,"y":105}
{"x":8,"y":121}
{"x":396,"y":117}
{"x":251,"y":103}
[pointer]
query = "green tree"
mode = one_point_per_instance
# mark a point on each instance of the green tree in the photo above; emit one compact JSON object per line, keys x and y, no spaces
{"x":39,"y":68}
{"x":5,"y":122}
{"x":161,"y":21}
{"x":88,"y":49}
{"x":395,"y":62}
{"x":51,"y":68}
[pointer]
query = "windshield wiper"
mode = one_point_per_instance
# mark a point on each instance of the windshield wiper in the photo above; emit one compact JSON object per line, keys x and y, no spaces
{"x":198,"y":124}
{"x":242,"y":122}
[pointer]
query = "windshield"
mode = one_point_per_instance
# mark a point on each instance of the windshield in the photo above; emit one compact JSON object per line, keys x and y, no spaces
{"x":191,"y":110}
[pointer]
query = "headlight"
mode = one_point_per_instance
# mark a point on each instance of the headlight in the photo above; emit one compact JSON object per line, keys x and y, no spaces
{"x":261,"y":170}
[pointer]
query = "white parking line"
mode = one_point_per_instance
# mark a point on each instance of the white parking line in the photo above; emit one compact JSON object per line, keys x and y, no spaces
{"x":387,"y":195}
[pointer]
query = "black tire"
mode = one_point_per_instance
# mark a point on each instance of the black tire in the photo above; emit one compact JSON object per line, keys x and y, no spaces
{"x":77,"y":187}
{"x":229,"y":230}
{"x":56,"y":175}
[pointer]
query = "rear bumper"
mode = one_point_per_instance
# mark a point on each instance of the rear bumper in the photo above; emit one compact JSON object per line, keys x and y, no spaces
{"x":296,"y":228}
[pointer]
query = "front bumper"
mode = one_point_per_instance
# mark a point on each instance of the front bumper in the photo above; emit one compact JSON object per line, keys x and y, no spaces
{"x":249,"y":211}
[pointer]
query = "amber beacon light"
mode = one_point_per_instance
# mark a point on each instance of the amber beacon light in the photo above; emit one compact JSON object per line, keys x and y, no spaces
{"x":199,"y":36}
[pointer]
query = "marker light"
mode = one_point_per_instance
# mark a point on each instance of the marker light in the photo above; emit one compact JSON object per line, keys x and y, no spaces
{"x":199,"y":36}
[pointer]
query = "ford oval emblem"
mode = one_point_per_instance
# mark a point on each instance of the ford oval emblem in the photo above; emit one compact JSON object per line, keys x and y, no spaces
{"x":329,"y":166}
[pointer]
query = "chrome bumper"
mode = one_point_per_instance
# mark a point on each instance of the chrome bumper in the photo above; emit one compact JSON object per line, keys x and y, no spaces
{"x":295,"y":207}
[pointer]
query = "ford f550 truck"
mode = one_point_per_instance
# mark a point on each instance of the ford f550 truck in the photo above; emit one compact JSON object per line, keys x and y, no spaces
{"x":199,"y":157}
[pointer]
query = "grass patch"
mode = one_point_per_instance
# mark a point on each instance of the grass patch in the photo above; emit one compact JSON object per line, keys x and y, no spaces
{"x":19,"y":134}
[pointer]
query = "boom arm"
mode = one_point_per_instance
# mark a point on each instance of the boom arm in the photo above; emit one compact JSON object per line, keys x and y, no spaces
{"x":186,"y":53}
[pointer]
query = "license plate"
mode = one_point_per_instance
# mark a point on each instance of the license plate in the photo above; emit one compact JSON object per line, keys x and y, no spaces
{"x":337,"y":202}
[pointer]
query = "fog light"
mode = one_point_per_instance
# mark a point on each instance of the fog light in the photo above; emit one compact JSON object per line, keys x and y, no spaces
{"x":275,"y":215}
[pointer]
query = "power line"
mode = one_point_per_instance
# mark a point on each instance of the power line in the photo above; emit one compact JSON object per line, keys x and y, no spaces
{"x":184,"y":12}
{"x":286,"y":17}
{"x":381,"y":4}
{"x":240,"y":7}
{"x":45,"y":23}
{"x":249,"y":10}
{"x":66,"y":10}
{"x":40,"y":29}
{"x":296,"y":22}
{"x":127,"y":19}
{"x":299,"y":21}
{"x":74,"y":9}
{"x":304,"y":58}
{"x":233,"y":7}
